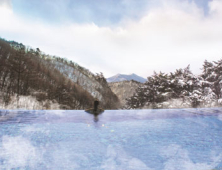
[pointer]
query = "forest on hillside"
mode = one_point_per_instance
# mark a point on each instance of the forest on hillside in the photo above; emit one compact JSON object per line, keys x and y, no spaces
{"x":25,"y":71}
{"x":180,"y":89}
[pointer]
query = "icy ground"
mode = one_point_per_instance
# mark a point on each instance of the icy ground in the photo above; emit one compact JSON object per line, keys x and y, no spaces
{"x":183,"y":139}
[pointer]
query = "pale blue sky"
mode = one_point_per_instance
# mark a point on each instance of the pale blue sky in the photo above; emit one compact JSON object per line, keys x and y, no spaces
{"x":119,"y":36}
{"x":100,"y":12}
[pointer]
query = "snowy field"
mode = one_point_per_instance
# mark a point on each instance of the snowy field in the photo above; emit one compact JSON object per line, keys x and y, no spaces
{"x":183,"y":139}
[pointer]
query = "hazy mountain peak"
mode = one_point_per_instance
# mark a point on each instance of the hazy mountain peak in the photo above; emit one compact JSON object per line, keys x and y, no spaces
{"x":124,"y":77}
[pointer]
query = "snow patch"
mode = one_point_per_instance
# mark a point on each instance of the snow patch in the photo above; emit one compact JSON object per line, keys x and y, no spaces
{"x":29,"y":103}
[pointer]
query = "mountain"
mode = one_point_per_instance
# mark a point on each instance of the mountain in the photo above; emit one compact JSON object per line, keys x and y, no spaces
{"x":124,"y":77}
{"x":124,"y":90}
{"x":49,"y":82}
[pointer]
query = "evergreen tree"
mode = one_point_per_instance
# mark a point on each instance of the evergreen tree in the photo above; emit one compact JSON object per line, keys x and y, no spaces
{"x":161,"y":89}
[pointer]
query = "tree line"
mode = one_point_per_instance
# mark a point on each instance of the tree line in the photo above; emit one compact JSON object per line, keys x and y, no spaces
{"x":180,"y":89}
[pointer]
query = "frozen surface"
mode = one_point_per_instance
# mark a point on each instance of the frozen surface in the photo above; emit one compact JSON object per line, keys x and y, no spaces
{"x":189,"y":139}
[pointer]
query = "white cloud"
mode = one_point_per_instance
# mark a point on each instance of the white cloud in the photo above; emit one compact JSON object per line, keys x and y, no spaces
{"x":5,"y":11}
{"x":167,"y":37}
{"x":6,"y":3}
{"x":216,"y":8}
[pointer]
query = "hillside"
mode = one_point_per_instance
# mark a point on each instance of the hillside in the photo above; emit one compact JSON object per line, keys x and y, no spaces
{"x":124,"y":90}
{"x":124,"y":77}
{"x":49,"y":79}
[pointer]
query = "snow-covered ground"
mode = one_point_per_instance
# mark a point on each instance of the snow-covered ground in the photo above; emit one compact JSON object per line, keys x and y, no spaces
{"x":29,"y":103}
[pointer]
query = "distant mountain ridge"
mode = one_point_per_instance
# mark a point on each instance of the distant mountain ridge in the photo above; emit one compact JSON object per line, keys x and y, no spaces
{"x":124,"y":90}
{"x":124,"y":77}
